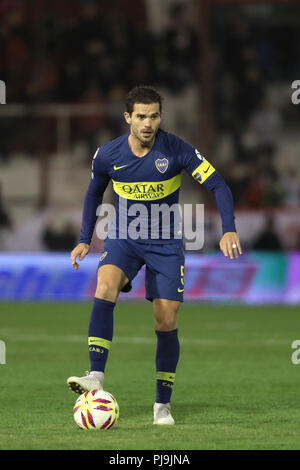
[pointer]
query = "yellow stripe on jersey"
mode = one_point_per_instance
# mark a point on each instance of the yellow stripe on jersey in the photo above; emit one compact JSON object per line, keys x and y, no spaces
{"x":203,"y":171}
{"x":148,"y":190}
{"x":103,"y":343}
{"x":169,"y":376}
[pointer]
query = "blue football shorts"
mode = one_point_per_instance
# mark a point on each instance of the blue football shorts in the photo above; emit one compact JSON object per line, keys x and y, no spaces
{"x":164,"y":265}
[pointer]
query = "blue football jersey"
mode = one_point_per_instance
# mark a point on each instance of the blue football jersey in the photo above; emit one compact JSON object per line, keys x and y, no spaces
{"x":147,"y":188}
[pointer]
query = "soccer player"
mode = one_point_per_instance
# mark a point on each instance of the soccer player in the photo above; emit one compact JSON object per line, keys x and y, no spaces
{"x":145,"y":167}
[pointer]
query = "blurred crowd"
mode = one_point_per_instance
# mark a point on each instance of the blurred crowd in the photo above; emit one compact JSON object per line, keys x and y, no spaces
{"x":92,"y":52}
{"x":89,"y":50}
{"x":253,"y":109}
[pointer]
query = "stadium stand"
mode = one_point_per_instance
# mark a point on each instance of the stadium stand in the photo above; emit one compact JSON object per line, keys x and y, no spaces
{"x":91,"y":55}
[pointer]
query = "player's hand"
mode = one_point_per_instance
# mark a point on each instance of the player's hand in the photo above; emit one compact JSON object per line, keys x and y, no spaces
{"x":80,"y":250}
{"x":230,"y":245}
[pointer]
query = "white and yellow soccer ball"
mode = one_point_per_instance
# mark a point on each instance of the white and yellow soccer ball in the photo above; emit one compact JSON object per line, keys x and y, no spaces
{"x":96,"y":409}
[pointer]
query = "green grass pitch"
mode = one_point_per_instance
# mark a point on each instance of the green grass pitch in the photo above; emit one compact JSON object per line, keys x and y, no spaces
{"x":235,"y":388}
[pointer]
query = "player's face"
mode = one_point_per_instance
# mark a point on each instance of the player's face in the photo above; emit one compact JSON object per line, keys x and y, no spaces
{"x":144,"y":122}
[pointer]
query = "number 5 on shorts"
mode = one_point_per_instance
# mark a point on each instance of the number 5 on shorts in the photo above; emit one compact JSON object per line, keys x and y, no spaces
{"x":181,"y":289}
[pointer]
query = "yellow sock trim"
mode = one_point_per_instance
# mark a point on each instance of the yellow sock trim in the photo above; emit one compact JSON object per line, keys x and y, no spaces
{"x":103,"y":343}
{"x":169,"y":376}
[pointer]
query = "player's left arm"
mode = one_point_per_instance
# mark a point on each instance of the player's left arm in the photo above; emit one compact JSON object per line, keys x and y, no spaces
{"x":230,"y":243}
{"x":203,"y":172}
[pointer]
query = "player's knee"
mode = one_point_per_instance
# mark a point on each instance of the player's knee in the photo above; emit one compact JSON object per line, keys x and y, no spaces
{"x":165,"y":323}
{"x":165,"y":316}
{"x":107,"y":290}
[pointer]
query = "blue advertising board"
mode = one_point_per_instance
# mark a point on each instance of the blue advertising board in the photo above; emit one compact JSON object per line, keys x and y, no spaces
{"x":256,"y":277}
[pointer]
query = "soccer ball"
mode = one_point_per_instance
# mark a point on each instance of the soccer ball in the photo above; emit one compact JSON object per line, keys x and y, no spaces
{"x":96,"y":409}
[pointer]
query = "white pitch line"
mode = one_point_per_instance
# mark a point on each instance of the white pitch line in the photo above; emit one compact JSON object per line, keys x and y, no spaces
{"x":15,"y":337}
{"x":10,"y":336}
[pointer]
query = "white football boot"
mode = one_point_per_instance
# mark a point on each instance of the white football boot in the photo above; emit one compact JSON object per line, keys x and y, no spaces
{"x":92,"y":380}
{"x":162,"y":413}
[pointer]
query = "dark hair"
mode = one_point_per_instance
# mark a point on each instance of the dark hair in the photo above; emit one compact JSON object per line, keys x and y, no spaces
{"x":142,"y":94}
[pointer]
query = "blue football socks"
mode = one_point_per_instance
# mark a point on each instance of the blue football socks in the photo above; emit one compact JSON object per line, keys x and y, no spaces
{"x":100,"y":333}
{"x":167,"y":355}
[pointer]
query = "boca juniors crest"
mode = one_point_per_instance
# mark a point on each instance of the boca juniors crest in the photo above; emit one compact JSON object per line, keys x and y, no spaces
{"x":162,"y":164}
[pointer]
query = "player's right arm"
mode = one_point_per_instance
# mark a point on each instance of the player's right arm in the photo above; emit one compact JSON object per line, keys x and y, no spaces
{"x":93,"y":199}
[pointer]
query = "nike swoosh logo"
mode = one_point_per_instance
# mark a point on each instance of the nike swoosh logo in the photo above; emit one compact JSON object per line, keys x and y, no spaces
{"x":119,"y":167}
{"x":180,"y":290}
{"x":205,"y":171}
